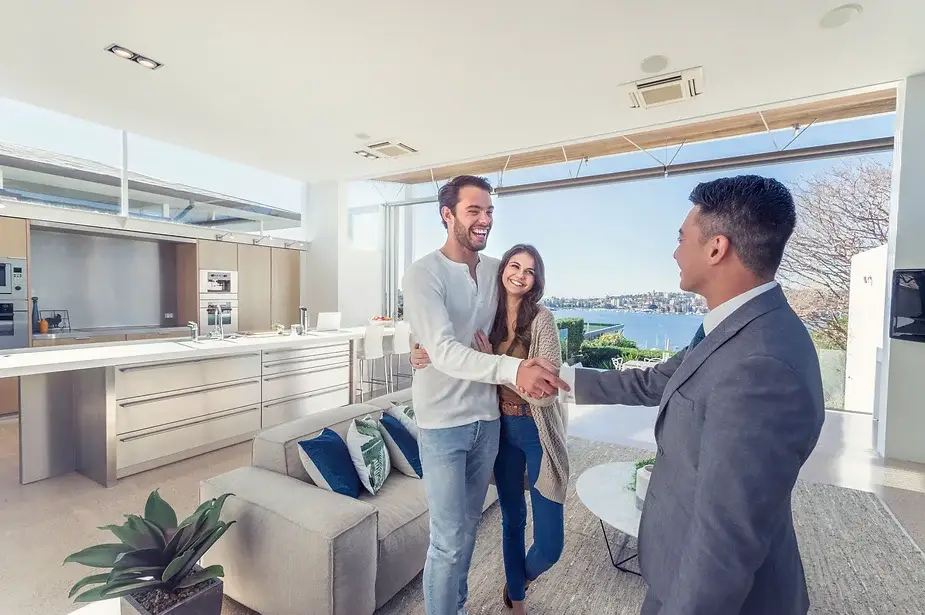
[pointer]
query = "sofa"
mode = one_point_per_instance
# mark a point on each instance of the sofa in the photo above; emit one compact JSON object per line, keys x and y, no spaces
{"x":298,"y":549}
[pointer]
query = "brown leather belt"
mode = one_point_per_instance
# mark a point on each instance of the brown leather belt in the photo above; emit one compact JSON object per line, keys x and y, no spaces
{"x":514,"y":409}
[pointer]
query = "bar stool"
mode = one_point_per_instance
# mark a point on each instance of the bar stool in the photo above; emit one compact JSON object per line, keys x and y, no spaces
{"x":373,"y":350}
{"x":401,"y":345}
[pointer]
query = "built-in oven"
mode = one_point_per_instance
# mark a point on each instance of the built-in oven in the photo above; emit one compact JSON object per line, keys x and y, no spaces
{"x":210,"y":310}
{"x":13,"y":278}
{"x":219,"y":284}
{"x":14,"y":324}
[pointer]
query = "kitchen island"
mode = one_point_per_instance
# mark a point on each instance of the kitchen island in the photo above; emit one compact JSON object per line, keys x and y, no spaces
{"x":112,"y":410}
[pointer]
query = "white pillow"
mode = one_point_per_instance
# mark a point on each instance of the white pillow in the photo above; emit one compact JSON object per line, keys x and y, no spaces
{"x":405,"y":415}
{"x":369,"y":453}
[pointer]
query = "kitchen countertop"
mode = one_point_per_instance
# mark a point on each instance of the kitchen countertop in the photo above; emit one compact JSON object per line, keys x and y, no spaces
{"x":32,"y":361}
{"x":104,"y":331}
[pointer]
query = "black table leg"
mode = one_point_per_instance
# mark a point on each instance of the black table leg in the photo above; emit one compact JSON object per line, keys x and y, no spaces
{"x":619,"y":565}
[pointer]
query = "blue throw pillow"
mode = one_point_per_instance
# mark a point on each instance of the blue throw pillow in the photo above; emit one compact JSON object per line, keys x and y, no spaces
{"x":327,"y":461}
{"x":403,"y":448}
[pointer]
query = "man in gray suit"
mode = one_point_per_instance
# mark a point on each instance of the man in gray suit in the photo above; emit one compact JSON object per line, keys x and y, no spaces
{"x":740,"y":410}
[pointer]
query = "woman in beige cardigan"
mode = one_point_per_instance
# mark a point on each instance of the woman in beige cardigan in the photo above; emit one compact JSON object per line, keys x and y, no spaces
{"x":532,"y":446}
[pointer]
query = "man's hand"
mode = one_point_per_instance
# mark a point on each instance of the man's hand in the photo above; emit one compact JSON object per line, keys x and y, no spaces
{"x":535,"y":380}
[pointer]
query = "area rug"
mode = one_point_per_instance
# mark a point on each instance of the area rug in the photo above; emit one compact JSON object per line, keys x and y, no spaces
{"x":857,"y":559}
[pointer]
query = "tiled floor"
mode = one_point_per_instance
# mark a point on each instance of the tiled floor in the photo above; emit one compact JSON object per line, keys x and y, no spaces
{"x":43,"y":522}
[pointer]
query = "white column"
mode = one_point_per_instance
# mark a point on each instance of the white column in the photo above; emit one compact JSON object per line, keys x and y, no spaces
{"x":901,"y":428}
{"x":123,"y":193}
{"x":323,"y":207}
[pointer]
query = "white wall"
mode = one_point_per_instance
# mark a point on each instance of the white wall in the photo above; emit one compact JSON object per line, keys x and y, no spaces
{"x":901,"y":429}
{"x":865,"y":328}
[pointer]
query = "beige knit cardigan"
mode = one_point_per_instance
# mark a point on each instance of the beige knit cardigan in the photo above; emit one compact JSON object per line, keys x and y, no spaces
{"x":550,"y":416}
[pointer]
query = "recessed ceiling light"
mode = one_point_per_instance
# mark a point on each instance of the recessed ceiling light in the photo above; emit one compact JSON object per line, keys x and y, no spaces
{"x":122,"y":52}
{"x":147,"y":62}
{"x":654,"y":64}
{"x":365,"y":154}
{"x":362,"y":136}
{"x":839,"y":16}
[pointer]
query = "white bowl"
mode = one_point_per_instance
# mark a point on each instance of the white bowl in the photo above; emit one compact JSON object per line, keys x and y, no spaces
{"x":381,"y":323}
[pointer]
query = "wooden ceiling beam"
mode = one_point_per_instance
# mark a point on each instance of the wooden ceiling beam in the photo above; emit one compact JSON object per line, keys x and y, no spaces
{"x":843,"y":108}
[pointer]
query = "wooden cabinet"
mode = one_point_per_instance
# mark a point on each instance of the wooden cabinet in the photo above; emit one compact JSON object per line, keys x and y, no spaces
{"x":71,"y":341}
{"x":218,"y":255}
{"x":14,"y":242}
{"x":254,"y":313}
{"x":285,"y":268}
{"x":9,"y":396}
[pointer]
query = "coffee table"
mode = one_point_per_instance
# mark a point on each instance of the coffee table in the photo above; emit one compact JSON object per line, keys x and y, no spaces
{"x":604,"y":490}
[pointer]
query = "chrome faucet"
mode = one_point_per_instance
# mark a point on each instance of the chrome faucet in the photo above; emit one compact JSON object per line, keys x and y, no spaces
{"x":218,"y":333}
{"x":193,"y":330}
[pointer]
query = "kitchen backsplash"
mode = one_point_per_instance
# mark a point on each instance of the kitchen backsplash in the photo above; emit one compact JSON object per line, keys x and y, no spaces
{"x":103,"y":281}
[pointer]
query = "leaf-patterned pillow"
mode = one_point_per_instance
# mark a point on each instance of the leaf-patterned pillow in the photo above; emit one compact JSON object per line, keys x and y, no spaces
{"x":405,"y":415}
{"x":369,"y":453}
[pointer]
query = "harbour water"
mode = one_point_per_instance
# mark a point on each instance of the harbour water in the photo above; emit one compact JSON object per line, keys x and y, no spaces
{"x":647,"y":330}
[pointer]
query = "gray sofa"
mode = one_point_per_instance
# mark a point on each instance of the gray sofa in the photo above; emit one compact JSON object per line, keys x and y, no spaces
{"x":298,"y":549}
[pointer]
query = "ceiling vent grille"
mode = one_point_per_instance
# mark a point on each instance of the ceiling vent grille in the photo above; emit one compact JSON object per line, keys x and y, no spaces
{"x":665,"y":89}
{"x":391,"y":149}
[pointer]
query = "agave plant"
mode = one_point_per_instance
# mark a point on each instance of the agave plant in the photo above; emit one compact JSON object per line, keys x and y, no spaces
{"x":153,"y":552}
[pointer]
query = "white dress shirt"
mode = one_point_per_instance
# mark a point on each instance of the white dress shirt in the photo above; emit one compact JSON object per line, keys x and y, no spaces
{"x":445,"y":307}
{"x":710,"y":321}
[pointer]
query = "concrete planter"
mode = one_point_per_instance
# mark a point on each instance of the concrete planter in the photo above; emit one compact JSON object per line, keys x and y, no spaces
{"x":643,"y":475}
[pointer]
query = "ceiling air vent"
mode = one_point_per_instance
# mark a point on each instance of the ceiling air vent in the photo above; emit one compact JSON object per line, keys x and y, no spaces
{"x":665,"y":89}
{"x":391,"y":149}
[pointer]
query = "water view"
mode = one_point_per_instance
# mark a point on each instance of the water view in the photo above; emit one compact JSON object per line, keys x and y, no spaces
{"x":648,"y":330}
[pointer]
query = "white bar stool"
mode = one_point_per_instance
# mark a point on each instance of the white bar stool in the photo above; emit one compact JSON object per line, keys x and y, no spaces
{"x":373,"y":350}
{"x":401,"y":345}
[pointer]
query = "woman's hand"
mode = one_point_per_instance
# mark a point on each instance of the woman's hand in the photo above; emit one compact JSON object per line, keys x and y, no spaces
{"x":419,"y":357}
{"x":481,"y":342}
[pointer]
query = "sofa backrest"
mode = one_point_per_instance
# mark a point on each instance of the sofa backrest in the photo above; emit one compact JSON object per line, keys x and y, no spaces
{"x":277,"y":448}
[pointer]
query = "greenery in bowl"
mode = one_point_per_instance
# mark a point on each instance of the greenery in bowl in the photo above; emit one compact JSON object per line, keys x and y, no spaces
{"x":640,"y":464}
{"x":154,"y":552}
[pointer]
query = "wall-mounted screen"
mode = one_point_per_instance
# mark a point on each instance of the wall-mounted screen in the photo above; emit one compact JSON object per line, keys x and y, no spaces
{"x":907,"y":308}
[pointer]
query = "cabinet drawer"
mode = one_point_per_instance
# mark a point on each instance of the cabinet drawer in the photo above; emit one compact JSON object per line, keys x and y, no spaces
{"x":138,"y":380}
{"x":312,"y":351}
{"x":163,"y":335}
{"x":307,"y":381}
{"x":143,"y":413}
{"x":285,"y":410}
{"x":134,"y":449}
{"x":279,"y":365}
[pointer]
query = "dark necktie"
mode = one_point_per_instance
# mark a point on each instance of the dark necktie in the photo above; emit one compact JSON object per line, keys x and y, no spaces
{"x":698,"y":337}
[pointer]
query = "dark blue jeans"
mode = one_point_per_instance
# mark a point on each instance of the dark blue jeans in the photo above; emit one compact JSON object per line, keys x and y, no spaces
{"x":519,"y":451}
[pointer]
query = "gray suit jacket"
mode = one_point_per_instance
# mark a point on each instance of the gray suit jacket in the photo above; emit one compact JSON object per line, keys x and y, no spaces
{"x":738,"y":416}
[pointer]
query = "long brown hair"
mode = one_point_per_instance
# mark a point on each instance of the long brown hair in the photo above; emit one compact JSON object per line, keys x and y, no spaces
{"x":529,"y":304}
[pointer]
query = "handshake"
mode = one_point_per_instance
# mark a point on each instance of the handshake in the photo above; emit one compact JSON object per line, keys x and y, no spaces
{"x":536,"y":378}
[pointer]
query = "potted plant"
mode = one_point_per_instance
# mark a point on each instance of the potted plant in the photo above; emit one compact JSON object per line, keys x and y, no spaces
{"x":153,"y":566}
{"x":641,"y":473}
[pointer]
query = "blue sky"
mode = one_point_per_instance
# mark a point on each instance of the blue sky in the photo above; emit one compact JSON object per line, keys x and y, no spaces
{"x":617,"y":239}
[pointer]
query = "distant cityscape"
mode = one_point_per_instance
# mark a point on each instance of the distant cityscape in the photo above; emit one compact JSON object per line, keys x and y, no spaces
{"x":651,"y":302}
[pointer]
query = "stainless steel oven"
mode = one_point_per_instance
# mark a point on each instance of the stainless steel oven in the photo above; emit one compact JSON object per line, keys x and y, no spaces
{"x":227,"y":311}
{"x":14,"y":324}
{"x":13,"y":278}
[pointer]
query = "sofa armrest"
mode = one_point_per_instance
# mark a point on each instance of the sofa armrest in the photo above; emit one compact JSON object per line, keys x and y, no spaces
{"x":295,"y":546}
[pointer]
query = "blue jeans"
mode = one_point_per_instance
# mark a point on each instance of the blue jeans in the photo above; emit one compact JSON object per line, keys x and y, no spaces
{"x":518,"y":452}
{"x":457,"y":463}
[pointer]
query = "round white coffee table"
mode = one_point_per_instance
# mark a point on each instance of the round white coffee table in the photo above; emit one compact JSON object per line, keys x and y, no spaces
{"x":605,"y":491}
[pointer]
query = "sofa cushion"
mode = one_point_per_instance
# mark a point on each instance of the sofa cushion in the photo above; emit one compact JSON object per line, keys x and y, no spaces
{"x":398,"y":397}
{"x":327,"y":461}
{"x":404,"y":533}
{"x":277,"y":448}
{"x":403,"y":448}
{"x":369,"y":453}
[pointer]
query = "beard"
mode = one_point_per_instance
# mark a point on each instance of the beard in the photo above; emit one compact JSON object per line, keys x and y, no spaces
{"x":464,"y":237}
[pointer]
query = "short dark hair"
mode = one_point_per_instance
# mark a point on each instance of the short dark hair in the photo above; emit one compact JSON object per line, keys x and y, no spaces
{"x":756,"y":214}
{"x":448,"y":195}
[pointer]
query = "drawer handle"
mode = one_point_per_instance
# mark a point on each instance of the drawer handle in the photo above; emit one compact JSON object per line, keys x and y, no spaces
{"x":207,"y":389}
{"x":312,"y":359}
{"x":317,"y":393}
{"x":340,"y":347}
{"x":139,"y":368}
{"x":82,"y":339}
{"x":307,"y":371}
{"x":176,"y":427}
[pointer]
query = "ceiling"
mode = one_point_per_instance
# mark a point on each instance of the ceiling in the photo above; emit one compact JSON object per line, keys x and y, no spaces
{"x":286,"y":85}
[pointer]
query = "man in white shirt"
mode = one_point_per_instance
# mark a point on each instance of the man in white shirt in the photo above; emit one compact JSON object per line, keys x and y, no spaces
{"x":449,"y":295}
{"x":740,"y":411}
